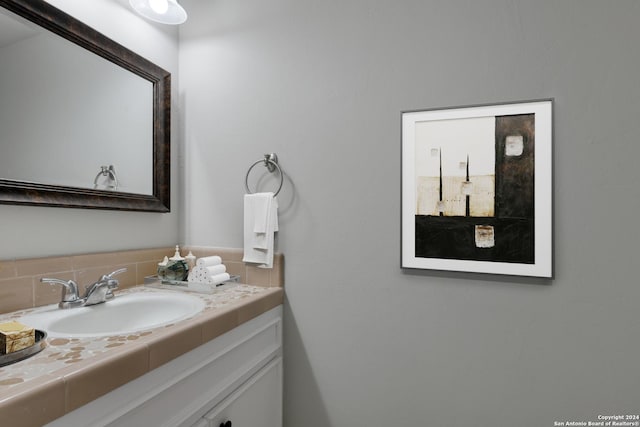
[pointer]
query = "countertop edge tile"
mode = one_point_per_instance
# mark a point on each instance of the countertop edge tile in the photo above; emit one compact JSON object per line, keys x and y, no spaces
{"x":112,"y":371}
{"x":219,"y":323}
{"x":256,"y":307}
{"x":34,"y":405}
{"x":174,"y":343}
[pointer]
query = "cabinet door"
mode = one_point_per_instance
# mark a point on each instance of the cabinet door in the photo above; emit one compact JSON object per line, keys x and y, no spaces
{"x":256,"y":403}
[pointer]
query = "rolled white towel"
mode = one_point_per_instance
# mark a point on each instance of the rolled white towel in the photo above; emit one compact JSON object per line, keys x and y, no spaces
{"x":209,"y":261}
{"x":210,"y":275}
{"x":199,"y":275}
{"x":216,"y":269}
{"x":219,"y":278}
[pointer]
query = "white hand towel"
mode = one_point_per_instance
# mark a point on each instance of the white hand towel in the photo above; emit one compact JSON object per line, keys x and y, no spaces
{"x":258,"y":247}
{"x":261,"y":211}
{"x":261,"y":206}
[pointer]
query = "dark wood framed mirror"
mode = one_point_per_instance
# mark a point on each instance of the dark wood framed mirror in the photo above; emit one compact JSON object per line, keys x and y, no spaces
{"x":42,"y":193}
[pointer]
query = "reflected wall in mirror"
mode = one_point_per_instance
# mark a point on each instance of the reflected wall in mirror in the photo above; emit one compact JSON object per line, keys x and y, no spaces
{"x":84,"y":122}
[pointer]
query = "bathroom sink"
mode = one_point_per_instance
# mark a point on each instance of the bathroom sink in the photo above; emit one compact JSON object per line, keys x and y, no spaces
{"x":124,"y":314}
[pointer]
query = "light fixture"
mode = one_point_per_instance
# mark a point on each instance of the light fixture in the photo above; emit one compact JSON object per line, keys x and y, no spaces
{"x":163,"y":11}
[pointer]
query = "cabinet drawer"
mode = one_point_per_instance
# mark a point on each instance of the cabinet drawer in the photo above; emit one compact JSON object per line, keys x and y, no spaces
{"x":256,"y":403}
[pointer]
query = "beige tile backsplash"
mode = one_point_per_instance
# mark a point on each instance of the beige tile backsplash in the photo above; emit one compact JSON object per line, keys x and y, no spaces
{"x":20,"y":285}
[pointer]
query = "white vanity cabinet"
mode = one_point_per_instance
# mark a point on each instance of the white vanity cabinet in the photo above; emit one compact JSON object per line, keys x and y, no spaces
{"x":233,"y":380}
{"x":257,"y":403}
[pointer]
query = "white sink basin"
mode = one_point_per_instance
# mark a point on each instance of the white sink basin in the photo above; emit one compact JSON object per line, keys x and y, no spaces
{"x":122,"y":315}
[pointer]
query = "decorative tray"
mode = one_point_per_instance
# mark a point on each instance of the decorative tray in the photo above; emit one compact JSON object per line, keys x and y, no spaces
{"x":16,"y":356}
{"x":203,"y":288}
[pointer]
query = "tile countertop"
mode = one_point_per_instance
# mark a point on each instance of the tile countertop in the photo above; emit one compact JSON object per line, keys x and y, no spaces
{"x":72,"y":372}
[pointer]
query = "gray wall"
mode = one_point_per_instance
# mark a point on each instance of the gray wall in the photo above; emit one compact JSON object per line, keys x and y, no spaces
{"x":322,"y":83}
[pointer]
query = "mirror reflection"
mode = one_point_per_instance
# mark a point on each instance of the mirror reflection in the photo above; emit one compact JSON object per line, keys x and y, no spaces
{"x":69,"y":117}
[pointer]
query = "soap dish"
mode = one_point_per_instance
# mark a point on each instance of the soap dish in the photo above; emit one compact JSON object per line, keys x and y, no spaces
{"x":17,"y":356}
{"x":203,"y":288}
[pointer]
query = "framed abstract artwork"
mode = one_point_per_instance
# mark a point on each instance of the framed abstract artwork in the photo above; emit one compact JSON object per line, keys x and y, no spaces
{"x":477,"y":189}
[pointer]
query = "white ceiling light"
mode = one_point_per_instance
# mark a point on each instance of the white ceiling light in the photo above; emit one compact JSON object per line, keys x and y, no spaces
{"x":163,"y":11}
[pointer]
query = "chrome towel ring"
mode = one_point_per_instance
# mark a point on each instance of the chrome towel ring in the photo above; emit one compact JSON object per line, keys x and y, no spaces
{"x":110,"y":173}
{"x":271,"y":163}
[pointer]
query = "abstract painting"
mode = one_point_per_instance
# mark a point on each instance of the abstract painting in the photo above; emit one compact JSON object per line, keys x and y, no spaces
{"x":477,"y":189}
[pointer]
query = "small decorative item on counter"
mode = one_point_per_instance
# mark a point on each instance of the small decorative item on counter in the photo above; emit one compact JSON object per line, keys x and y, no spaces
{"x":15,"y":336}
{"x":174,"y":268}
{"x":191,"y":260}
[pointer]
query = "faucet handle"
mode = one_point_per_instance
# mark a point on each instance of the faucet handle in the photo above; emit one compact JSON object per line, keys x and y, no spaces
{"x":70,"y":295}
{"x":113,"y":273}
{"x":53,"y":280}
{"x":69,"y":287}
{"x":111,"y":282}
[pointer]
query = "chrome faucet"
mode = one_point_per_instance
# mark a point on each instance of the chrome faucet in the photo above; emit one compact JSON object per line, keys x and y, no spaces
{"x":102,"y":290}
{"x":95,"y":293}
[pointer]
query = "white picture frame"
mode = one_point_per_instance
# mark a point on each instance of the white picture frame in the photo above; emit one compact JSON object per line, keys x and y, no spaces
{"x":477,"y":189}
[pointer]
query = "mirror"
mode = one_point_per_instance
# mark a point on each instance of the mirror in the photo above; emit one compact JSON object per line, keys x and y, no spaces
{"x":84,"y":122}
